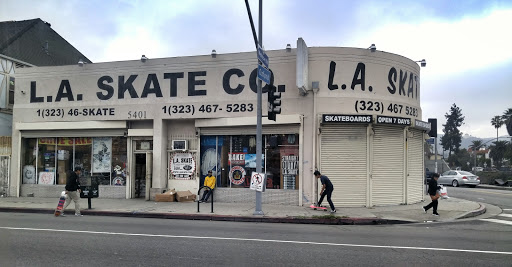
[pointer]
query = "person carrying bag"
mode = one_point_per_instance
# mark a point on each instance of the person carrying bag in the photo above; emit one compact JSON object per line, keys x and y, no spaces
{"x":434,"y":194}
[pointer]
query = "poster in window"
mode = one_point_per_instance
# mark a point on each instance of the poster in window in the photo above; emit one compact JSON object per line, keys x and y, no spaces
{"x":46,"y":177}
{"x":101,"y":154}
{"x":182,"y":165}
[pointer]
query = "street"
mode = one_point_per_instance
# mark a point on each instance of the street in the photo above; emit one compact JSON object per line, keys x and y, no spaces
{"x":500,"y":198}
{"x":43,"y":240}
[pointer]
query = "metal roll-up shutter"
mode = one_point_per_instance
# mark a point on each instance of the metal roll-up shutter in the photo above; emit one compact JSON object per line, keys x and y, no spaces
{"x":343,"y":159}
{"x":388,"y":165}
{"x":415,"y":166}
{"x":251,"y":130}
{"x":73,"y":133}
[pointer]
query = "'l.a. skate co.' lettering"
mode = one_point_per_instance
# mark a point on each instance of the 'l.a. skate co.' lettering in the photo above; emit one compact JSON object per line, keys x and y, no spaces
{"x":234,"y":81}
{"x":154,"y":86}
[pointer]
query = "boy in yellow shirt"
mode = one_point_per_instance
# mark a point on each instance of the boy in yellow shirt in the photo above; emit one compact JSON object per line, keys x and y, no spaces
{"x":210,"y":182}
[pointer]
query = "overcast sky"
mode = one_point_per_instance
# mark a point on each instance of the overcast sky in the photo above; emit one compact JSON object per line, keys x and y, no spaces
{"x":465,"y":42}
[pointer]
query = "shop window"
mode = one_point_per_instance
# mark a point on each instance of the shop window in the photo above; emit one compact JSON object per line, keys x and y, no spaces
{"x":82,"y":157}
{"x":119,"y":160}
{"x":51,"y":160}
{"x":29,"y":161}
{"x":233,"y":159}
{"x":64,"y":158}
{"x":46,"y":161}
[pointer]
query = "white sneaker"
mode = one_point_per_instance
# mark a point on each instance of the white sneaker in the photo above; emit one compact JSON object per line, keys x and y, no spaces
{"x":79,"y":214}
{"x":333,"y":211}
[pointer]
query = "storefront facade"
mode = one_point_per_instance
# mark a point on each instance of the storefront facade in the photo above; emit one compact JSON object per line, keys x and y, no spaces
{"x":142,"y":127}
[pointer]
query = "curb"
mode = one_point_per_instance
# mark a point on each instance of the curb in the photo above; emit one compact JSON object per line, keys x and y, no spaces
{"x":481,"y":210}
{"x":184,"y":216}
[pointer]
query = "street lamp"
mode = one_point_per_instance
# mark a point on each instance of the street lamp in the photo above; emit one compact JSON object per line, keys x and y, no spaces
{"x":422,"y":62}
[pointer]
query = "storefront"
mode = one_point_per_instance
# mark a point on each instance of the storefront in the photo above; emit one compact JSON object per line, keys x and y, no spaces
{"x":140,"y":127}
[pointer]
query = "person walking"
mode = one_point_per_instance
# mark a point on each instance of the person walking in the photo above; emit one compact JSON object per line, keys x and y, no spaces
{"x":434,"y":196}
{"x":210,"y":182}
{"x":72,"y":190}
{"x":327,"y":189}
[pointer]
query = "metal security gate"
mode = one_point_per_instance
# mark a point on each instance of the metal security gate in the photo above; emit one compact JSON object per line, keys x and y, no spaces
{"x":4,"y":174}
{"x":415,"y":166}
{"x":343,"y":158}
{"x":388,"y":166}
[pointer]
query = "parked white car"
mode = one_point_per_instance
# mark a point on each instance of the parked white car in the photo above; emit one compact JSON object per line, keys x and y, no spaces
{"x":458,"y":178}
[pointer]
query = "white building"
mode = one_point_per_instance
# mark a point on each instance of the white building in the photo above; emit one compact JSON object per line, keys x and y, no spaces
{"x":351,"y":113}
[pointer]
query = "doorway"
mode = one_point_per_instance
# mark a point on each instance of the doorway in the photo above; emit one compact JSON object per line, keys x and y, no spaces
{"x":140,"y":175}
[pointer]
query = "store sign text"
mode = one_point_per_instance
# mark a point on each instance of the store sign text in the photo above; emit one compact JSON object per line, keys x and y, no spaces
{"x":346,"y":118}
{"x":400,"y":82}
{"x":152,"y":86}
{"x":393,"y":120}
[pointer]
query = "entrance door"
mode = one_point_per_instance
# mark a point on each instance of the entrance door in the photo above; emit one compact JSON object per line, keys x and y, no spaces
{"x":140,"y":175}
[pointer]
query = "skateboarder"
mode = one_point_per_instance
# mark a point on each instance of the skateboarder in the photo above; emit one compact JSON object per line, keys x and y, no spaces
{"x":327,"y":189}
{"x":73,"y":191}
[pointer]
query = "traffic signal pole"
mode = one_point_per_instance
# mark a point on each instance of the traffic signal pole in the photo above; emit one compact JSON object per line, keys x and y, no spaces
{"x":258,"y":210}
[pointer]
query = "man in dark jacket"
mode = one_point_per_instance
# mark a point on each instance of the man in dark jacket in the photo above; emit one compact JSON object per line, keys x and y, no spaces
{"x":432,"y":191}
{"x":73,"y":191}
{"x":327,"y":189}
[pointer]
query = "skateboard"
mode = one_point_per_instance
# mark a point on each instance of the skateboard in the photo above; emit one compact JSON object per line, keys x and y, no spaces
{"x":62,"y":199}
{"x":318,"y":208}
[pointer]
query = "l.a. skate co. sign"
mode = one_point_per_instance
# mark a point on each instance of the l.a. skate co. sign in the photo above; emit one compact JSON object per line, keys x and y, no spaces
{"x":182,"y":165}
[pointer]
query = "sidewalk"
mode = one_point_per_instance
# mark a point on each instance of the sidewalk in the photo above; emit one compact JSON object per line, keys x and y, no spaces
{"x":449,"y":209}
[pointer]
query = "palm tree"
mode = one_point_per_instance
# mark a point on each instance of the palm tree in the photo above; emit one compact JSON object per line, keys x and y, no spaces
{"x":476,"y":144}
{"x":497,"y":122}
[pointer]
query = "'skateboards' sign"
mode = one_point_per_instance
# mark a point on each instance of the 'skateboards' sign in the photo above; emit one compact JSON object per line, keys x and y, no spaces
{"x":330,"y":118}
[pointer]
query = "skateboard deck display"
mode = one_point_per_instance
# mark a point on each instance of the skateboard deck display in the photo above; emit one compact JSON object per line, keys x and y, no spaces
{"x":60,"y":206}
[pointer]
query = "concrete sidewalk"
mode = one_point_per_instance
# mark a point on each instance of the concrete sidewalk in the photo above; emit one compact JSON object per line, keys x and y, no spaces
{"x":449,"y":209}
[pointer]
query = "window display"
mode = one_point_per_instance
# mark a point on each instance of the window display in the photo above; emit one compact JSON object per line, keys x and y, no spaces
{"x":50,"y":160}
{"x":233,"y":159}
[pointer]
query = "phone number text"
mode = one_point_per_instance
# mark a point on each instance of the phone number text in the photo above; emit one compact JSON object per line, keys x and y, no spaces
{"x":74,"y":112}
{"x":192,"y":109}
{"x":380,"y":107}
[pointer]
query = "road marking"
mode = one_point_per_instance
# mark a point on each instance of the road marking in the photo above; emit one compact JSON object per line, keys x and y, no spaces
{"x":506,"y":215}
{"x":259,"y":240}
{"x":497,"y":221}
{"x":507,"y":209}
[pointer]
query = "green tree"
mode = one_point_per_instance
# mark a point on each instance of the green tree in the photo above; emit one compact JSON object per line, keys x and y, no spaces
{"x":498,"y":152}
{"x":508,"y":153}
{"x":452,"y":136}
{"x":497,"y":122}
{"x":507,"y":119}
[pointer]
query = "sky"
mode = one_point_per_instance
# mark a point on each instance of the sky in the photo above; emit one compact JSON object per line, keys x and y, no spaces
{"x":464,"y":42}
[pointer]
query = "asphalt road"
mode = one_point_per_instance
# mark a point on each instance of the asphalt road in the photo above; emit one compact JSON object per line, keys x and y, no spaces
{"x":500,"y":198}
{"x":43,"y":240}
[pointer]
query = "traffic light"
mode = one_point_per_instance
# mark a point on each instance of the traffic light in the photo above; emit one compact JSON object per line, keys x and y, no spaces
{"x":274,"y":102}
